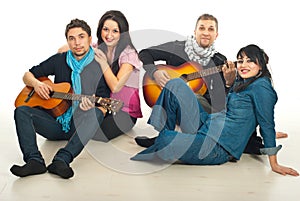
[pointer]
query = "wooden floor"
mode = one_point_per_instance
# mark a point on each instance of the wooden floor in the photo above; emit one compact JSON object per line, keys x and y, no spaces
{"x":103,"y":172}
{"x":32,"y":31}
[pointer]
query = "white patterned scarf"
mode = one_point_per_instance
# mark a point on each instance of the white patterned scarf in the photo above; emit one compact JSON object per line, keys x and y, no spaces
{"x":197,"y":53}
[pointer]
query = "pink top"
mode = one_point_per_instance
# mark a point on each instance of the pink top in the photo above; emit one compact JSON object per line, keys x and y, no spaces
{"x":129,"y":93}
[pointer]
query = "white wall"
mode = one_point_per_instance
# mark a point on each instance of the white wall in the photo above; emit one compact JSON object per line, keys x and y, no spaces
{"x":33,"y":30}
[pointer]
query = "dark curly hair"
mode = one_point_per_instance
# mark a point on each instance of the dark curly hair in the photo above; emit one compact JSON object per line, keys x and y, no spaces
{"x":78,"y":23}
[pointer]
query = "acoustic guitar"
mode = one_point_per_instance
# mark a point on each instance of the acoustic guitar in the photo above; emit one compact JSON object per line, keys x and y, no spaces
{"x":191,"y":72}
{"x":61,"y":99}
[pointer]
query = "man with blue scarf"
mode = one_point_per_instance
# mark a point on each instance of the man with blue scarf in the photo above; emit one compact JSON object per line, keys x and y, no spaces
{"x":79,"y":123}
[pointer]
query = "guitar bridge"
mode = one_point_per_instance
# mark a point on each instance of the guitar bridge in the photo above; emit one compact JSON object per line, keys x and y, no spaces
{"x":29,"y":95}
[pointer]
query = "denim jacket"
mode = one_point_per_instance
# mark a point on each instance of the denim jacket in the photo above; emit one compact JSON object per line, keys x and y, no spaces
{"x":245,"y":110}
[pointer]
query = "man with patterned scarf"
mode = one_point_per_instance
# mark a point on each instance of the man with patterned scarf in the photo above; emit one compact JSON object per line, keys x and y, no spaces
{"x":79,"y":123}
{"x":198,"y":48}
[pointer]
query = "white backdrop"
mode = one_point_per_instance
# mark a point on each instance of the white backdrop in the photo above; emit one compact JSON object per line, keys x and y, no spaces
{"x":33,"y":30}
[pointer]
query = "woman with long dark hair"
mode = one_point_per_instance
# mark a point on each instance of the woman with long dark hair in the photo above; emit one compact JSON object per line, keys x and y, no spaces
{"x":210,"y":139}
{"x":121,"y":66}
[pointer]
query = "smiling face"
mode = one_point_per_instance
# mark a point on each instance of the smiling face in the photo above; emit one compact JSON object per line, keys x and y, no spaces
{"x":247,"y":68}
{"x":110,"y":33}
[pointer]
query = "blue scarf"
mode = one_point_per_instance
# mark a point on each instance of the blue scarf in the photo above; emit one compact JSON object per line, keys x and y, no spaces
{"x":77,"y":67}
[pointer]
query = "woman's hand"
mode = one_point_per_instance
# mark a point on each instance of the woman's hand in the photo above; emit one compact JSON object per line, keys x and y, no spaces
{"x":285,"y":170}
{"x":101,"y":58}
{"x":63,"y":48}
{"x":281,"y":169}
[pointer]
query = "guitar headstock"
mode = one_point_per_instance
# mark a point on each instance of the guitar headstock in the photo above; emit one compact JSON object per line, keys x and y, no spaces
{"x":112,"y":105}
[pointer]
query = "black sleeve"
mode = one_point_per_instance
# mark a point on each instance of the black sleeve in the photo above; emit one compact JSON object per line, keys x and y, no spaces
{"x":220,"y":59}
{"x":45,"y":68}
{"x":148,"y":57}
{"x":103,"y":89}
{"x":164,"y":52}
{"x":55,"y":65}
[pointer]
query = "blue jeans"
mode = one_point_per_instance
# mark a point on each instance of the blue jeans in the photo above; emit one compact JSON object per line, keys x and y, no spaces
{"x":30,"y":121}
{"x":178,"y":104}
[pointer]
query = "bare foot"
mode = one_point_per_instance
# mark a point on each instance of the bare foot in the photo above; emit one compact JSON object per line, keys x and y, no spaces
{"x":281,"y":135}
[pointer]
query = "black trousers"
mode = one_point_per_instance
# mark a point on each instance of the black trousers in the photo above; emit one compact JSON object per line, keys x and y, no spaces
{"x":114,"y":126}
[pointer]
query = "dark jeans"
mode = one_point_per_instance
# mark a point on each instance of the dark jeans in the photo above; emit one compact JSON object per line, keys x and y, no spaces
{"x":114,"y":126}
{"x":30,"y":121}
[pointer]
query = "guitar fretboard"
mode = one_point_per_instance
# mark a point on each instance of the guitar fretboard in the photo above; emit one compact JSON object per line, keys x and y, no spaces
{"x":112,"y":105}
{"x":203,"y":73}
{"x":73,"y":97}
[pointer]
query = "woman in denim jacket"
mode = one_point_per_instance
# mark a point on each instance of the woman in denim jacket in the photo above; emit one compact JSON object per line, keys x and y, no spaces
{"x":219,"y":137}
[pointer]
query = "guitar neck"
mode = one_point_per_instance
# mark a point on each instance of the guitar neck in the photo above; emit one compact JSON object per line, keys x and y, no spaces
{"x":112,"y":105}
{"x":203,"y":73}
{"x":74,"y":97}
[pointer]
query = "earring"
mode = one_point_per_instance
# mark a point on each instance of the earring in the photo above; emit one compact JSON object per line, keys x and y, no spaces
{"x":259,"y":74}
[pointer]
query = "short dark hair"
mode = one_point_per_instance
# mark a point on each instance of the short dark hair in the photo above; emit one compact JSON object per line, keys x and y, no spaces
{"x":207,"y":16}
{"x":78,"y":23}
